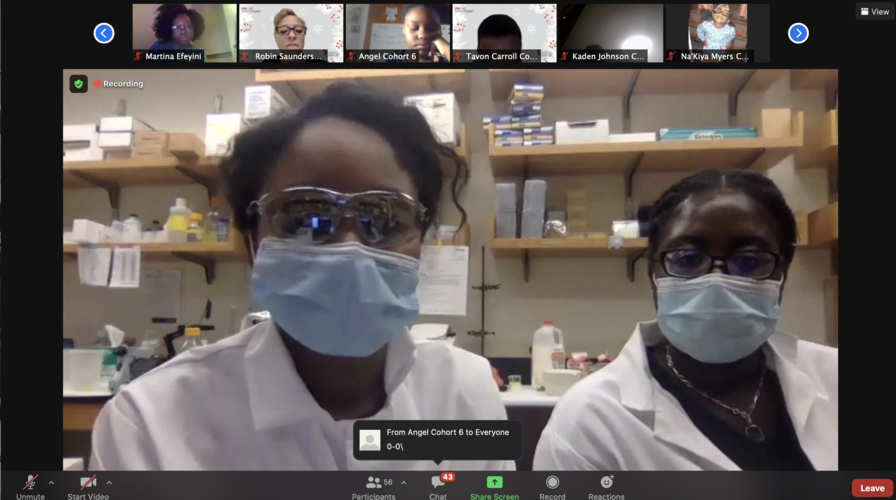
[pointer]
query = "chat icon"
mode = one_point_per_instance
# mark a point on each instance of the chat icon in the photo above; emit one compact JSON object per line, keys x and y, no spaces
{"x":436,"y":482}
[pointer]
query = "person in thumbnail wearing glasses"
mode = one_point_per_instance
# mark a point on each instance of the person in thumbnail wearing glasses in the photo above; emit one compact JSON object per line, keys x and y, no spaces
{"x":176,"y":28}
{"x":499,"y":32}
{"x":712,"y":384}
{"x":333,"y":202}
{"x":290,"y":31}
{"x":716,"y":31}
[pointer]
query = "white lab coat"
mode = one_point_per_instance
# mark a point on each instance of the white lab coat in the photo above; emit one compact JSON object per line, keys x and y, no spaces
{"x":239,"y":405}
{"x":621,"y":419}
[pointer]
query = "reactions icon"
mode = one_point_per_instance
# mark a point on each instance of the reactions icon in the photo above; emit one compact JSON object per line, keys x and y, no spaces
{"x":606,"y":481}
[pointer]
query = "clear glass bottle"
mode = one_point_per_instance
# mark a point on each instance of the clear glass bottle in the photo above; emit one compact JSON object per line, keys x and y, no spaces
{"x":195,"y":229}
{"x":211,"y":221}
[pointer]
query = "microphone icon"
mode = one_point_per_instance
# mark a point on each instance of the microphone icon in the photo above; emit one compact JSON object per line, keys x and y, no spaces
{"x":30,"y":482}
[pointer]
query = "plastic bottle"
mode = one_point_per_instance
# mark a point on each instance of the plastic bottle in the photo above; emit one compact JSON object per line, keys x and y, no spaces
{"x":223,"y":230}
{"x":192,"y":338}
{"x":211,"y":222}
{"x":547,"y":346}
{"x":133,"y":229}
{"x":194,"y":231}
{"x":178,"y":222}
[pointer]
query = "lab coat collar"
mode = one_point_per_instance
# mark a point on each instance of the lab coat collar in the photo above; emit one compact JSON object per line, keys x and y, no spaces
{"x":645,"y":395}
{"x":277,"y":395}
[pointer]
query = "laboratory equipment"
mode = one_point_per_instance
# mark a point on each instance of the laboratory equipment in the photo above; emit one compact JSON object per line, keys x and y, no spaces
{"x":133,"y":229}
{"x":515,"y":382}
{"x":211,"y":222}
{"x":178,"y":222}
{"x":195,"y":229}
{"x":223,"y":230}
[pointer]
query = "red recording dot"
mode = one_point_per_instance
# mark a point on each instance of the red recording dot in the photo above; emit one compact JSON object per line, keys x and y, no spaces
{"x":97,"y":84}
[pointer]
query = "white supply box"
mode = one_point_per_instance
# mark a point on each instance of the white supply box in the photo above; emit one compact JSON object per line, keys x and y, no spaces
{"x":442,"y":113}
{"x":585,"y":132}
{"x":262,"y":101}
{"x":87,"y":231}
{"x":639,"y":137}
{"x":121,"y":124}
{"x":219,"y":130}
{"x":80,"y":143}
{"x":116,"y":140}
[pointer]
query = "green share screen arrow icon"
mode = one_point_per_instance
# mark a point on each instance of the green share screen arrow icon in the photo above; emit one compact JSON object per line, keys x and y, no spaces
{"x":495,"y":482}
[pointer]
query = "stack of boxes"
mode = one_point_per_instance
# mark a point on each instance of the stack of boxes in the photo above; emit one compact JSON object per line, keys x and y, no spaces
{"x":505,"y":210}
{"x":124,"y":137}
{"x":522,"y":123}
{"x":534,"y":201}
{"x":576,"y":212}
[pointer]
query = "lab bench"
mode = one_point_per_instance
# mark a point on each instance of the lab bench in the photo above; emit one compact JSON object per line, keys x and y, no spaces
{"x":79,"y":412}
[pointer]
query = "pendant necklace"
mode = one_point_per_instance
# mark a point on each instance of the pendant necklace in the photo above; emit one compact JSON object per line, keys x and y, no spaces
{"x":751,"y":431}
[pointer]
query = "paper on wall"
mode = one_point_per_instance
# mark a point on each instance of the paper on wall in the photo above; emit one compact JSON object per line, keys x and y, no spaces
{"x":443,"y":275}
{"x":125,"y":267}
{"x":161,"y":295}
{"x":94,"y":264}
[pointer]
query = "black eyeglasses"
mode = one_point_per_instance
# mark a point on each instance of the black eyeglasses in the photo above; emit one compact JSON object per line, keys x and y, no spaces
{"x":384,"y":219}
{"x":182,"y":29}
{"x":284,"y":30}
{"x":722,"y":11}
{"x":690,"y":263}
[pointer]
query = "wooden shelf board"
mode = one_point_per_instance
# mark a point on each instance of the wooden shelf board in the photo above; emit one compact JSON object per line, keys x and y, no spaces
{"x":669,"y":156}
{"x":290,"y":83}
{"x":804,"y":79}
{"x":824,"y":226}
{"x":161,"y":171}
{"x":155,"y":252}
{"x":822,"y":148}
{"x":614,"y":82}
{"x":592,"y":246}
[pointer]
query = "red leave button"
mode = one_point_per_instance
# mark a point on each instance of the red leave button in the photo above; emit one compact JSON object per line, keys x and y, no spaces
{"x":872,"y":488}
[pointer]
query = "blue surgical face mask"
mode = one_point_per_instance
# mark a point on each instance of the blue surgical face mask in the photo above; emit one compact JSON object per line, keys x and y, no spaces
{"x":717,"y":318}
{"x":342,"y":300}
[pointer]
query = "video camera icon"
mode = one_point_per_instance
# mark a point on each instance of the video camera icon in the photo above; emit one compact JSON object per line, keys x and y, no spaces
{"x":88,"y":482}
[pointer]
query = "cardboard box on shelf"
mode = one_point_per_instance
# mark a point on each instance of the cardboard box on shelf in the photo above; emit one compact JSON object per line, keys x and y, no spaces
{"x":151,"y":138}
{"x":120,"y":154}
{"x":185,"y":145}
{"x":121,"y":124}
{"x":116,"y":140}
{"x":149,"y":151}
{"x":775,"y":124}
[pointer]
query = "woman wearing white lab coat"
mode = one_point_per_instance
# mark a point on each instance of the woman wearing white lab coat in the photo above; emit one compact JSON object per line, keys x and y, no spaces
{"x":711,"y":384}
{"x":334,"y":201}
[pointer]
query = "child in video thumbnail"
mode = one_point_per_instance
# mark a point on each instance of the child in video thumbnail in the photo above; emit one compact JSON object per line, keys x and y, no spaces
{"x":499,"y":32}
{"x":423,"y":33}
{"x":716,"y":31}
{"x":177,"y":27}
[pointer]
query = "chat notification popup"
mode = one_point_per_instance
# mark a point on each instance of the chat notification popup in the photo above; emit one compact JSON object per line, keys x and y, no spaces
{"x":438,"y":440}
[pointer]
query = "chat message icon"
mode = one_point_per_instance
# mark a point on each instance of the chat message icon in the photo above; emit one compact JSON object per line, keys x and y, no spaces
{"x":437,"y":481}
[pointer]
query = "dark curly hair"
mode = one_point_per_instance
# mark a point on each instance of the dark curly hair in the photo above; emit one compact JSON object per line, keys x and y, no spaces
{"x":165,"y":15}
{"x":753,"y":184}
{"x":255,"y":151}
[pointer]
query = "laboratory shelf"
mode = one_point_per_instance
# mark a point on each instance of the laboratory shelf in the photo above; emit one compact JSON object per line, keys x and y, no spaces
{"x":157,"y":171}
{"x":218,"y":252}
{"x":462,"y":239}
{"x":824,"y":226}
{"x":578,"y":83}
{"x":660,"y":156}
{"x":822,"y":148}
{"x":294,"y":85}
{"x":590,"y":246}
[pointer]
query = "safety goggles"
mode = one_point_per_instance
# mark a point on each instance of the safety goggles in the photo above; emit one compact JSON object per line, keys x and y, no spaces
{"x":383,"y":219}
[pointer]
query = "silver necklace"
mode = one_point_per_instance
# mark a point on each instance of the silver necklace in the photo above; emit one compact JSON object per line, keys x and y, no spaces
{"x":752,"y":431}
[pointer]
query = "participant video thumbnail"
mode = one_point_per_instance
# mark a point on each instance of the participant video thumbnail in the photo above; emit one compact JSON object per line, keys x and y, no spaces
{"x":178,"y":27}
{"x":291,"y":33}
{"x":612,"y":27}
{"x":398,"y":33}
{"x":719,"y":27}
{"x":530,"y":28}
